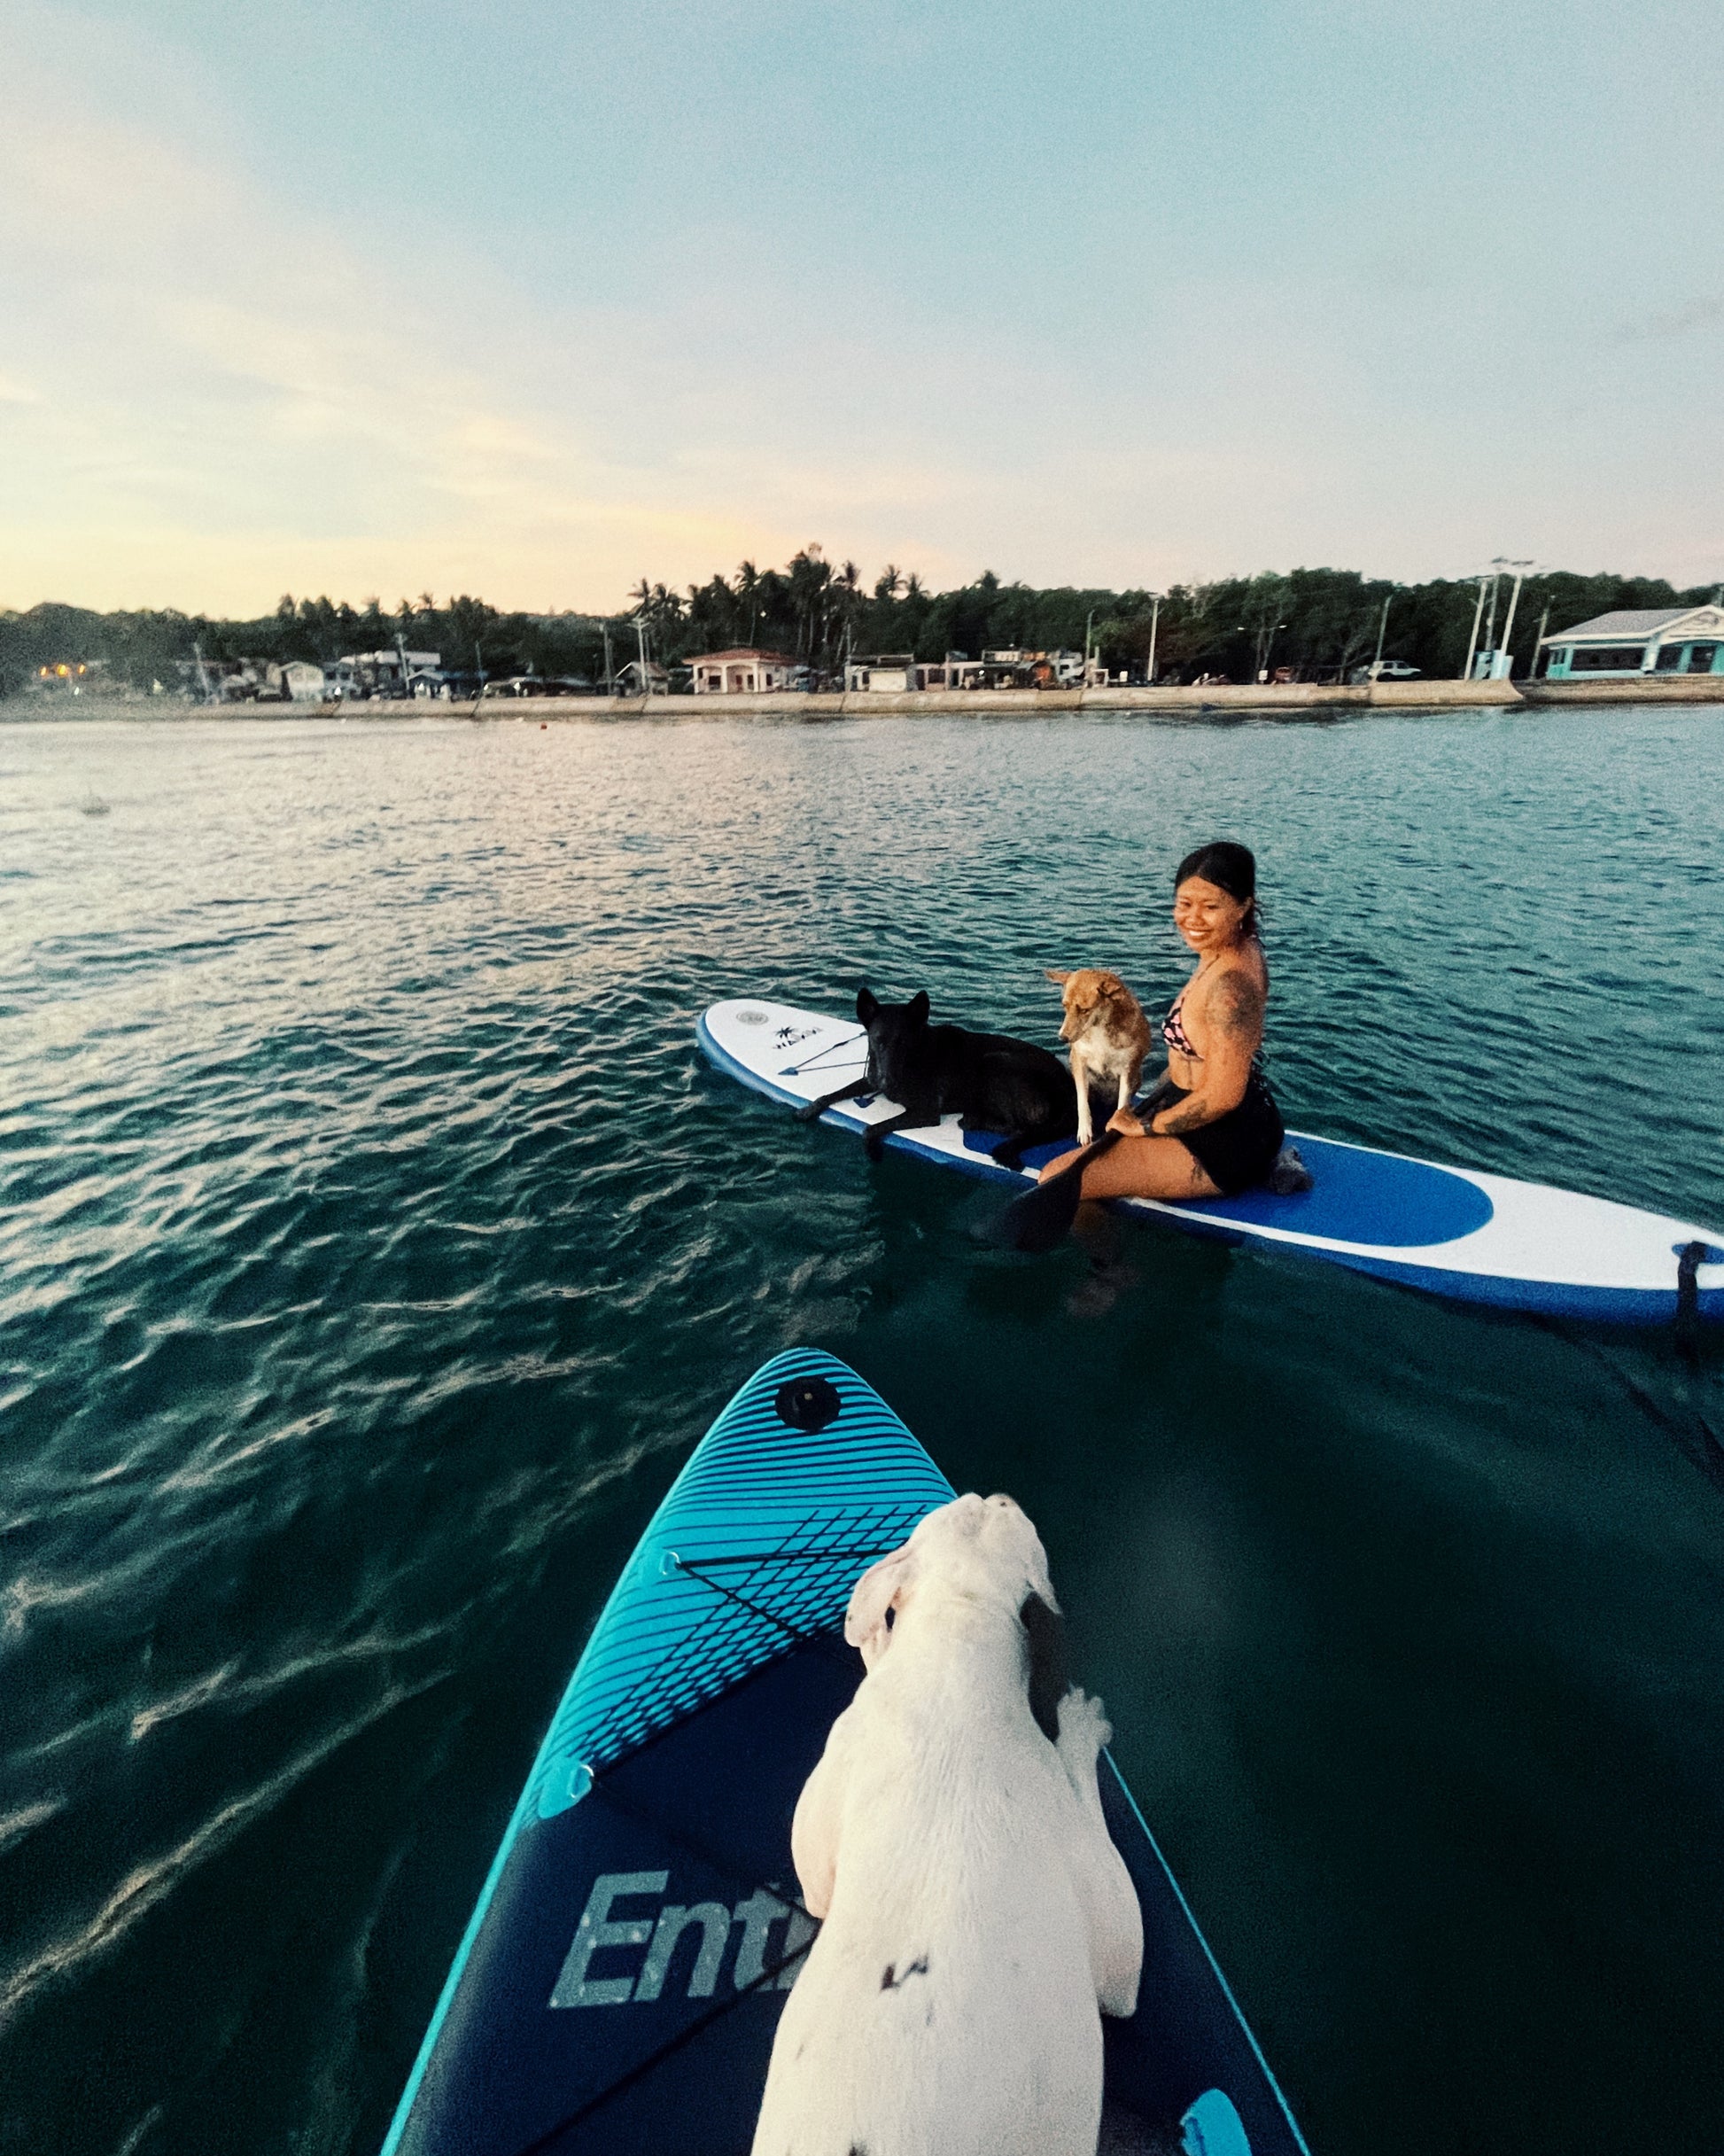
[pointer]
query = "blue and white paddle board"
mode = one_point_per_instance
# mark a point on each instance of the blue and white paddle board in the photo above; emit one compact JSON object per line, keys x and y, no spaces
{"x":619,"y":1983}
{"x":1457,"y":1231}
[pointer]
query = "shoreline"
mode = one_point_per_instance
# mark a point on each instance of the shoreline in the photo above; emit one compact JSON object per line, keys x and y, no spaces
{"x":1236,"y":698}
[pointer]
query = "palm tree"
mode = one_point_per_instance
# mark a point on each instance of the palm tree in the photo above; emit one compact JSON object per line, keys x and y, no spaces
{"x":889,"y":582}
{"x":810,"y":579}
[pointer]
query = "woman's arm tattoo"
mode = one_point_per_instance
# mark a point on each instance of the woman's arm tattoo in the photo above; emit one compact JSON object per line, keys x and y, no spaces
{"x":1188,"y":1116}
{"x":1236,"y":1010}
{"x":1239,"y":1004}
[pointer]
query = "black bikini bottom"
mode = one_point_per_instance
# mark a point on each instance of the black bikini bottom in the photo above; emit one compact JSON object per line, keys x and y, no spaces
{"x":1238,"y":1149}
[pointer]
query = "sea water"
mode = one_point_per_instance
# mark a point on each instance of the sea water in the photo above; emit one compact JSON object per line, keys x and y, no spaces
{"x":374,"y":1246}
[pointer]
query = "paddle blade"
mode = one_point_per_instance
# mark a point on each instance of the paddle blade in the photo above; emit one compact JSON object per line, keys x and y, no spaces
{"x":1042,"y":1217}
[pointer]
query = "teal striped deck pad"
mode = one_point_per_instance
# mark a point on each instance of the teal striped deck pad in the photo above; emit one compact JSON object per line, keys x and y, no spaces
{"x":757,"y":1545}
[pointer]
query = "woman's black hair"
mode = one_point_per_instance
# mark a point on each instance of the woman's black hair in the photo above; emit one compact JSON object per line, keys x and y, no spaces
{"x":1231,"y":869}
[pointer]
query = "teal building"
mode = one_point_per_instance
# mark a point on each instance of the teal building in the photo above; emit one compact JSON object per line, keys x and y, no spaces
{"x":1652,"y":640}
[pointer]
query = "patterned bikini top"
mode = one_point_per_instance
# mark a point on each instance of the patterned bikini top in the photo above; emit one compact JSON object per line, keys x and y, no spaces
{"x":1174,"y":1033}
{"x":1173,"y":1029}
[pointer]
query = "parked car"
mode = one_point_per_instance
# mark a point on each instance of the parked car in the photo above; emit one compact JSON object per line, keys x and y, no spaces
{"x":1388,"y":670}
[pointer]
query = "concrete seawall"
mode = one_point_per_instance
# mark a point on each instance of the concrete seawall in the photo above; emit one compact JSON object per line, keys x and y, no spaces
{"x":1653,"y":689}
{"x":1286,"y":699}
{"x":1229,"y":696}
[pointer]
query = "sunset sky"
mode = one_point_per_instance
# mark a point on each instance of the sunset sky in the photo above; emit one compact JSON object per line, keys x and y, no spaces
{"x":530,"y":301}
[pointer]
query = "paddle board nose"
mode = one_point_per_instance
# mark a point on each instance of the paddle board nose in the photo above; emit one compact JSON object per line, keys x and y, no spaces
{"x":618,"y":1986}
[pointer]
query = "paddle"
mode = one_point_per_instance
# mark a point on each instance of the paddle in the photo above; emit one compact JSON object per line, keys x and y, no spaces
{"x":1042,"y":1216}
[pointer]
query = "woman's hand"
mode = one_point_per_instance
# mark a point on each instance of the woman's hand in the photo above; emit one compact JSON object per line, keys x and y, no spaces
{"x":1126,"y":1123}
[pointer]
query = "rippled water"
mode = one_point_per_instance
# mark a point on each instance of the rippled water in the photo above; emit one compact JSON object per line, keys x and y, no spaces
{"x":373,"y":1247}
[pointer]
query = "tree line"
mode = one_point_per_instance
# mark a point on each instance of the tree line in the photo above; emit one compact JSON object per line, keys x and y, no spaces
{"x":1316,"y":623}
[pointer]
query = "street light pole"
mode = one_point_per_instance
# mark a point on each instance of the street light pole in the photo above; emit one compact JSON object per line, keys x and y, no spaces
{"x":640,"y":639}
{"x":1520,"y":569}
{"x":1154,"y":620}
{"x":1538,"y":642}
{"x":1382,"y":631}
{"x":1497,"y":567}
{"x":1472,"y":641}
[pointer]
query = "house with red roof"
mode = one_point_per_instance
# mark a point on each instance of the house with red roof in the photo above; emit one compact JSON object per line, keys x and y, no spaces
{"x":744,"y":672}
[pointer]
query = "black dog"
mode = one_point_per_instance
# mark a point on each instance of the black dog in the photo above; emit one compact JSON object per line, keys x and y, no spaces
{"x":995,"y":1084}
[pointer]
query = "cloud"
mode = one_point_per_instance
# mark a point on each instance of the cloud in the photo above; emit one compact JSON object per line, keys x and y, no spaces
{"x":1185,"y":360}
{"x":234,"y":399}
{"x":238,"y":399}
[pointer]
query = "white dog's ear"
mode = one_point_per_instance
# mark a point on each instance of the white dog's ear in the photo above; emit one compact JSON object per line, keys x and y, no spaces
{"x":1045,"y":1629}
{"x":871,"y":1601}
{"x":1037,"y":1581}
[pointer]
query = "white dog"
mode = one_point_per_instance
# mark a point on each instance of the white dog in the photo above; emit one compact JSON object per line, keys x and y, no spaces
{"x":976,"y":1913}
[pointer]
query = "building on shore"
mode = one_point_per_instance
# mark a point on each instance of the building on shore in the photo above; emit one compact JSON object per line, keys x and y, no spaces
{"x":893,"y":672}
{"x":887,"y":673}
{"x":1646,"y":640}
{"x":1061,"y":669}
{"x":396,"y":673}
{"x":890,"y":673}
{"x":743,"y":671}
{"x":300,"y":681}
{"x":631,"y":681}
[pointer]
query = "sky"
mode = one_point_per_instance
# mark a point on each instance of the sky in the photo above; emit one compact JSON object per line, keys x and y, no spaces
{"x":534,"y":299}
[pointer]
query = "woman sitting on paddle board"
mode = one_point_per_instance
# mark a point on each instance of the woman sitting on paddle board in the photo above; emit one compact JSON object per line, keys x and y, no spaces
{"x":1213,"y":1127}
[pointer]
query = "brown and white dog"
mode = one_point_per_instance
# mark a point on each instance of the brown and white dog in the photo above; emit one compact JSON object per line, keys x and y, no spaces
{"x":1109,"y":1037}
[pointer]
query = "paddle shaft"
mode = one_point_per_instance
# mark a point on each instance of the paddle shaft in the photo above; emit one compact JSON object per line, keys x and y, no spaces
{"x":1079,"y":1162}
{"x":1043,"y":1216}
{"x":1148,"y":1108}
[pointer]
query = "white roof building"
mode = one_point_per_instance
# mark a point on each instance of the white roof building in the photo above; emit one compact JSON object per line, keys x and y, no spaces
{"x":1639,"y":640}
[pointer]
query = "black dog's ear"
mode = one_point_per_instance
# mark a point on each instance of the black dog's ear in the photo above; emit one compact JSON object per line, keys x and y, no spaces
{"x":866,"y":1004}
{"x":1046,"y":1630}
{"x":918,"y":1007}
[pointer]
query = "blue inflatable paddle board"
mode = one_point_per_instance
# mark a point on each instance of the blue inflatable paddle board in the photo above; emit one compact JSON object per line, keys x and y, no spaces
{"x":1457,"y":1231}
{"x":619,"y":1983}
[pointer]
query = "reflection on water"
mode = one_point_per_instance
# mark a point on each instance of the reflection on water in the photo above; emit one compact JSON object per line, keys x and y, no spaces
{"x":373,"y":1246}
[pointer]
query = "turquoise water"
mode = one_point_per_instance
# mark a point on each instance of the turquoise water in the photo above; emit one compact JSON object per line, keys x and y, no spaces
{"x":374,"y":1246}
